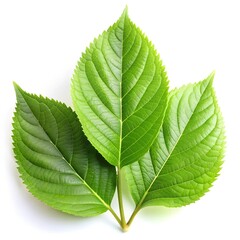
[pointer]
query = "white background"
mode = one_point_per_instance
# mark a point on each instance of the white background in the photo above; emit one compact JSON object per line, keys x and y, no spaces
{"x":40,"y":43}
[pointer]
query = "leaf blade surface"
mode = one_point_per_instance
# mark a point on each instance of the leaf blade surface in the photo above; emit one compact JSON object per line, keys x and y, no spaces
{"x":56,"y":162}
{"x":186,"y":157}
{"x":119,"y":91}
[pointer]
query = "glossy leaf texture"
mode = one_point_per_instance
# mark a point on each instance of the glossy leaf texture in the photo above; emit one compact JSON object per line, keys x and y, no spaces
{"x":56,"y":162}
{"x":186,"y":157}
{"x":119,"y":92}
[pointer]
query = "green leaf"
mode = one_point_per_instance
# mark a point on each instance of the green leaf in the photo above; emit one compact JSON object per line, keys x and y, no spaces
{"x":56,"y":162}
{"x":119,"y":91}
{"x":186,"y":157}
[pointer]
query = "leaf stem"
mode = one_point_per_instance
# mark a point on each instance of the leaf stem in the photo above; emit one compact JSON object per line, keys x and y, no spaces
{"x":133,"y":215}
{"x":120,"y":200}
{"x":115,"y":215}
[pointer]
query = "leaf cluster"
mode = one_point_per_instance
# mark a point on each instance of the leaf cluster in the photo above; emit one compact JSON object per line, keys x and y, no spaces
{"x":168,"y":144}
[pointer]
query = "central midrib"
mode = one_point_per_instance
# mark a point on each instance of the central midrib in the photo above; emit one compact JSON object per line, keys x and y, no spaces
{"x":120,"y":97}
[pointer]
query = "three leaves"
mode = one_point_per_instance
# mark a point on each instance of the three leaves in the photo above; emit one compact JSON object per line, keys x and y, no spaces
{"x":171,"y":145}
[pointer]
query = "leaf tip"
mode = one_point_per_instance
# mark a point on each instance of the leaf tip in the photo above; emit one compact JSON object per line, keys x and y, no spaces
{"x":17,"y":88}
{"x":125,"y":10}
{"x":211,"y":76}
{"x":208,"y":82}
{"x":124,"y":13}
{"x":15,"y":85}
